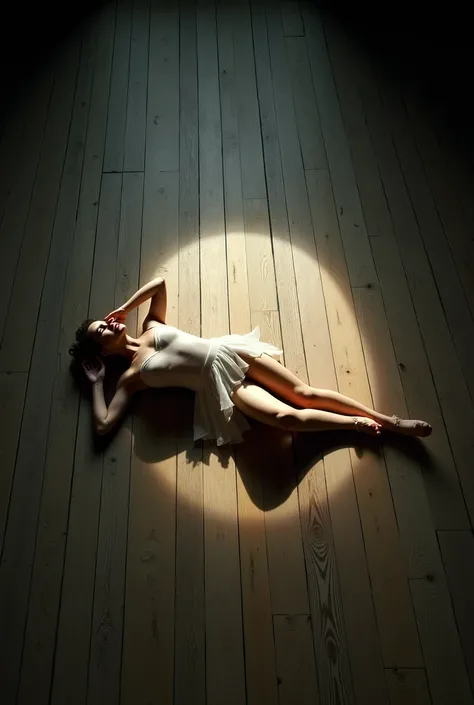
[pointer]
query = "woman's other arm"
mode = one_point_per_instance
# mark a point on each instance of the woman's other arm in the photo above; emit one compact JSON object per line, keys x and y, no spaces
{"x":106,"y":418}
{"x":154,"y":290}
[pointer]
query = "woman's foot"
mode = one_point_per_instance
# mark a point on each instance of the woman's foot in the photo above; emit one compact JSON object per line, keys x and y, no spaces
{"x":366,"y":425}
{"x":409,"y":427}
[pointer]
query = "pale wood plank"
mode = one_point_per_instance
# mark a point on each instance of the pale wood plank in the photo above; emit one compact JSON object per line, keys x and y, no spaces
{"x":282,"y":250}
{"x":12,"y":392}
{"x":398,"y":634}
{"x":109,"y":598}
{"x":446,"y":502}
{"x":73,"y":633}
{"x":329,"y":639}
{"x":250,"y":138}
{"x":306,"y":109}
{"x":117,"y":114}
{"x":261,"y":682}
{"x":134,"y":148}
{"x":237,"y":275}
{"x":149,"y":619}
{"x":16,"y":207}
{"x":457,"y":549}
{"x":455,"y":306}
{"x":224,"y":639}
{"x":407,"y":686}
{"x":445,"y":666}
{"x":19,"y":546}
{"x":258,"y":245}
{"x":25,"y":296}
{"x":291,"y":19}
{"x":362,"y":627}
{"x":256,"y":461}
{"x":295,"y":660}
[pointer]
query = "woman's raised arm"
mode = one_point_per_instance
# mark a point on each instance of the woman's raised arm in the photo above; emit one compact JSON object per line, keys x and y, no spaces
{"x":154,"y":290}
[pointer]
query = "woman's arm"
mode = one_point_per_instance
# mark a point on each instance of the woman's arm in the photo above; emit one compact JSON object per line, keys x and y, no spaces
{"x":105,"y":419}
{"x":154,"y":290}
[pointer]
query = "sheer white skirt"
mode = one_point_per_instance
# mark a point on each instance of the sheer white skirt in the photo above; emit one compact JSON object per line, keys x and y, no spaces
{"x":215,"y":415}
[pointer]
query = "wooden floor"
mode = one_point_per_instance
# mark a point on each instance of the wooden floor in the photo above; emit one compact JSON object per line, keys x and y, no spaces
{"x":255,"y":157}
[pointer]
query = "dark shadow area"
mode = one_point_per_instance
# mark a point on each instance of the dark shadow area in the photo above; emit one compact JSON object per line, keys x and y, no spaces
{"x":270,"y":462}
{"x":35,"y":32}
{"x":425,"y":46}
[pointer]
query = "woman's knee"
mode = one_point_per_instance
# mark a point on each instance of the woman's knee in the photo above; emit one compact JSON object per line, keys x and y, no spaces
{"x":290,"y":420}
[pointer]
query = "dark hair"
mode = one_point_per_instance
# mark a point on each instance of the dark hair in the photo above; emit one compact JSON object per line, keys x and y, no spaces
{"x":85,"y":348}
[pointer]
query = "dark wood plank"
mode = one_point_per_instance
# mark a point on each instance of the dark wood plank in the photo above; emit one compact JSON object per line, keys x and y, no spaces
{"x":31,"y":266}
{"x":117,"y":113}
{"x":457,"y":548}
{"x":407,"y":686}
{"x":12,"y":392}
{"x":134,"y":148}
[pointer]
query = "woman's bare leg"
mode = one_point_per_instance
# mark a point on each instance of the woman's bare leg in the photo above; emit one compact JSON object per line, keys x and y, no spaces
{"x":260,"y":404}
{"x":271,"y":374}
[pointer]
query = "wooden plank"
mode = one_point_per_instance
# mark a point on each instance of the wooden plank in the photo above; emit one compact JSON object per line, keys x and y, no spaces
{"x":329,"y":639}
{"x":355,"y":584}
{"x":449,"y":382}
{"x":225,"y":677}
{"x":149,"y":618}
{"x":12,"y":391}
{"x":261,"y":682}
{"x":346,"y":195}
{"x":445,"y":666}
{"x":117,"y":114}
{"x":446,"y":502}
{"x":26,"y":493}
{"x":109,"y":598}
{"x":282,"y":248}
{"x":398,"y":635}
{"x":291,"y":19}
{"x":295,"y":660}
{"x":306,"y":109}
{"x":74,"y":624}
{"x":73,"y":630}
{"x":16,"y":207}
{"x":134,"y":148}
{"x":455,"y":306}
{"x":258,"y":245}
{"x":407,"y":686}
{"x":189,"y":679}
{"x":38,"y":652}
{"x":148,"y":650}
{"x":26,"y":291}
{"x":257,"y":461}
{"x":250,"y":138}
{"x":456,"y":227}
{"x":237,"y":275}
{"x":457,"y":548}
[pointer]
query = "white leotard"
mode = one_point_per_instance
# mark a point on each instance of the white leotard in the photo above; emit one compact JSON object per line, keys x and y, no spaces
{"x":179,"y":359}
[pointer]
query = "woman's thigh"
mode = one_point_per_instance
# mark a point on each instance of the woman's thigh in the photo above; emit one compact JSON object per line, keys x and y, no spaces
{"x":270,"y":373}
{"x":260,"y":404}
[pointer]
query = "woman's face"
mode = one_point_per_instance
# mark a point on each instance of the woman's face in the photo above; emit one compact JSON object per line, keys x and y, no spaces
{"x":108,"y":335}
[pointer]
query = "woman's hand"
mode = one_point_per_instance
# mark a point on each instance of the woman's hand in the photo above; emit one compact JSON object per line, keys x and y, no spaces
{"x":119,"y":315}
{"x":95,"y":371}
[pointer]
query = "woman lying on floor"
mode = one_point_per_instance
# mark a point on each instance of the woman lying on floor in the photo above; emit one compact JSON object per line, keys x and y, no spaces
{"x":233,"y":376}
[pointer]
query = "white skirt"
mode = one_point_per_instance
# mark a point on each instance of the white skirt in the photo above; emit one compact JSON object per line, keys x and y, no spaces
{"x":215,"y":415}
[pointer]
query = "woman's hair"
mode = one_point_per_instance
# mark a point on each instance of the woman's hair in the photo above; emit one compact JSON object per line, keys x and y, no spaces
{"x":85,"y":348}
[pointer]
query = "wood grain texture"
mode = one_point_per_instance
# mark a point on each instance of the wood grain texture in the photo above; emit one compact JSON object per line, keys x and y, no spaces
{"x":408,"y":686}
{"x":295,"y":661}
